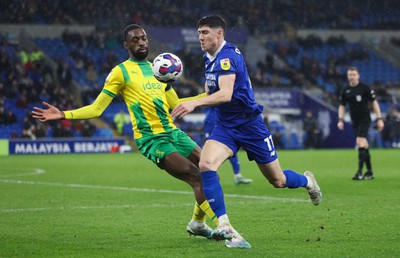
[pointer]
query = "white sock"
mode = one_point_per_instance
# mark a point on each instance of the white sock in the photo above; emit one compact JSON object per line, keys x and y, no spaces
{"x":309,"y":183}
{"x":195,"y":224}
{"x":224,"y":220}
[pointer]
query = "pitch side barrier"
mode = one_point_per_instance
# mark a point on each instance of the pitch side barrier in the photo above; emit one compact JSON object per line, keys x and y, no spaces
{"x":60,"y":146}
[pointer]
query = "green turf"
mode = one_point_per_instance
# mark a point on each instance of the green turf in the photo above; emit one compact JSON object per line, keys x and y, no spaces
{"x":107,"y":205}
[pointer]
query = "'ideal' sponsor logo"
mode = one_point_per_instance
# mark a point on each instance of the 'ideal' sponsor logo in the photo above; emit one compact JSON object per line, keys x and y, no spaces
{"x":152,"y":86}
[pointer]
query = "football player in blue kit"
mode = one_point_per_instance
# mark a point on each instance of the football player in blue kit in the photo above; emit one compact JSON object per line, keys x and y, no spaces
{"x":239,"y":124}
{"x":209,"y":124}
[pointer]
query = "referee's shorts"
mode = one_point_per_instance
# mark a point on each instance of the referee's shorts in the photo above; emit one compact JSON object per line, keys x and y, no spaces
{"x":361,"y":128}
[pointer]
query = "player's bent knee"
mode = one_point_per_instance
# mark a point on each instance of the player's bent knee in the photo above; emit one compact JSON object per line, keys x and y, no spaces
{"x":205,"y":165}
{"x":278,"y":183}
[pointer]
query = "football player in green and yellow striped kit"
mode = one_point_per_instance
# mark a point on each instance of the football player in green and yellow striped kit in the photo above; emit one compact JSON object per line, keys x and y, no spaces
{"x":149,"y":102}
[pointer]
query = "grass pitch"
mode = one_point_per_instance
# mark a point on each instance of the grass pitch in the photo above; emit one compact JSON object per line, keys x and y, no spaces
{"x":121,"y":205}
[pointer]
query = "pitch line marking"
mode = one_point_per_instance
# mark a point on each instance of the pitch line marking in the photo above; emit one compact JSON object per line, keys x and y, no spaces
{"x":127,"y":206}
{"x":36,"y":171}
{"x":121,"y":188}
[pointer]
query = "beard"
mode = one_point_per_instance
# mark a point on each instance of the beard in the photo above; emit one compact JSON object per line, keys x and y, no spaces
{"x":140,"y":55}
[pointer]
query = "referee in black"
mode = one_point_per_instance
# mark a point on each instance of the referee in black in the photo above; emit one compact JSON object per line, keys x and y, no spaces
{"x":358,"y":95}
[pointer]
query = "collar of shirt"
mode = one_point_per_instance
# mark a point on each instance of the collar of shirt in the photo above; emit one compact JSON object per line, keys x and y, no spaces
{"x":212,"y":57}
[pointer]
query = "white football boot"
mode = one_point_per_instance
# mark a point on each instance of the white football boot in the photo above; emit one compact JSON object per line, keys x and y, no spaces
{"x":313,"y":190}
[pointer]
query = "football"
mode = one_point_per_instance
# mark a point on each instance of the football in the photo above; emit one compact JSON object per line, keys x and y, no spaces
{"x":167,"y":67}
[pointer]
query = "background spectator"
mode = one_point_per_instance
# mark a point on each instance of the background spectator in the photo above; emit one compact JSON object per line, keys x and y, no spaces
{"x":120,"y":119}
{"x":312,"y":131}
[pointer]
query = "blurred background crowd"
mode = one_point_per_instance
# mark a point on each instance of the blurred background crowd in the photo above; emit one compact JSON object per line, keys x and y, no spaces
{"x":69,"y":71}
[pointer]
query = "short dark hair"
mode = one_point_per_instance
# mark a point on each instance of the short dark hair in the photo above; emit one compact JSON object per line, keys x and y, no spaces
{"x":213,"y":21}
{"x":129,"y":28}
{"x":353,"y":68}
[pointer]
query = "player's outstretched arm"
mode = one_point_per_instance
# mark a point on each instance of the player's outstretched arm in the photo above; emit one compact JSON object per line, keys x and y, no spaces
{"x":87,"y":112}
{"x":50,"y":113}
{"x":174,"y":100}
{"x":198,"y":96}
{"x":225,"y":83}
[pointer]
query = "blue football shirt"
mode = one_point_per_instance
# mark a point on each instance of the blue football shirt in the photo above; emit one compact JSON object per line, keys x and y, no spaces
{"x":242,"y":108}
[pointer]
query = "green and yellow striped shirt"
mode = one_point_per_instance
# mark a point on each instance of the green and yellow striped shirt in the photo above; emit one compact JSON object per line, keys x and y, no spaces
{"x":144,"y":96}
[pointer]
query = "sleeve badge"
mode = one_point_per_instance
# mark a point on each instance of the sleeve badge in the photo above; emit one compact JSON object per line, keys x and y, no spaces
{"x":225,"y":64}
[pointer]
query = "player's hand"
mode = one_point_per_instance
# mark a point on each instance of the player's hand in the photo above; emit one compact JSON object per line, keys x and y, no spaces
{"x":51,"y":113}
{"x":380,"y":125}
{"x":340,"y":125}
{"x":183,"y":109}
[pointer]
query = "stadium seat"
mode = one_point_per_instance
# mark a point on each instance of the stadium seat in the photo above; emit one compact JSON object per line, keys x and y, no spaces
{"x":127,"y":130}
{"x":103,"y":132}
{"x":294,"y":142}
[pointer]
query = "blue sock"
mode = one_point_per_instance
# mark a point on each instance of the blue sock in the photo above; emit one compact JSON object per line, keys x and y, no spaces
{"x":294,"y":179}
{"x":235,"y":164}
{"x":213,"y":191}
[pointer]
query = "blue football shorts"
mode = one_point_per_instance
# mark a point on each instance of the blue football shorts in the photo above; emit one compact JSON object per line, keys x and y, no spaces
{"x":208,"y":129}
{"x":253,"y":137}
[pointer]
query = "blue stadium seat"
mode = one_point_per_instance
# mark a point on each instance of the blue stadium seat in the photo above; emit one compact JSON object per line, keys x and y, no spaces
{"x":375,"y":69}
{"x":375,"y":138}
{"x":49,"y":133}
{"x":294,"y":142}
{"x":273,"y":125}
{"x":6,"y":131}
{"x":103,"y":132}
{"x":127,"y":130}
{"x":197,"y":137}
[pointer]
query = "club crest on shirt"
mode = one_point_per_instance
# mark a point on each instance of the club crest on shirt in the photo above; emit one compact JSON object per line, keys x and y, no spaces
{"x":225,"y":64}
{"x":358,"y":98}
